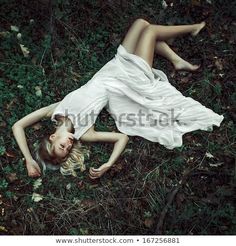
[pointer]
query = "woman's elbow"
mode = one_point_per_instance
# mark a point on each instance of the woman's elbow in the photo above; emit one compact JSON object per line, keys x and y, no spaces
{"x":125,"y":138}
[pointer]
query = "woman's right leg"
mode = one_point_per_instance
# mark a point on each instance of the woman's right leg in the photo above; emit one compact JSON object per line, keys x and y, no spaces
{"x":163,"y":49}
{"x":152,"y":33}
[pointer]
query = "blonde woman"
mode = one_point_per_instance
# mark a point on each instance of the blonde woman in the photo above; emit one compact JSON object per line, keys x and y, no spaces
{"x":139,"y":98}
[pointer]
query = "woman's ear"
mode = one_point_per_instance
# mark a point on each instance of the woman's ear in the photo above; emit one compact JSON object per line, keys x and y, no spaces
{"x":52,"y":136}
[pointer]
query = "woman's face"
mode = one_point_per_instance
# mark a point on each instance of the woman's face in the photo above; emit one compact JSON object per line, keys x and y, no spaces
{"x":62,"y":143}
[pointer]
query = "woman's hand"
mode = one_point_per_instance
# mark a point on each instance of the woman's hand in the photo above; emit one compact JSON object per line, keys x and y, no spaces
{"x":33,"y":168}
{"x":95,"y":173}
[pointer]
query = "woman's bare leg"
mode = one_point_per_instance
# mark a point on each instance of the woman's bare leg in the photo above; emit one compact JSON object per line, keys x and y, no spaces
{"x":132,"y":38}
{"x":163,"y":49}
{"x":152,"y":33}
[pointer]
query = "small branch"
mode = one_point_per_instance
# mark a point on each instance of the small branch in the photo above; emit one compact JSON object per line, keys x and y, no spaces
{"x":159,"y":226}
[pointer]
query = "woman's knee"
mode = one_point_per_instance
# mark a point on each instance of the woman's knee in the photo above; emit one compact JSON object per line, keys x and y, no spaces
{"x":141,"y":22}
{"x":148,"y":30}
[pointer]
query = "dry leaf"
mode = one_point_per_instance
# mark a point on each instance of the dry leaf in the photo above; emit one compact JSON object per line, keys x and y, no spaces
{"x":3,"y":228}
{"x":164,"y":4}
{"x":87,"y":203}
{"x":68,"y":186}
{"x":4,"y":34}
{"x":209,"y":155}
{"x":15,"y":28}
{"x":184,"y":80}
{"x":38,"y":91}
{"x":219,"y":64}
{"x":37,"y":197}
{"x":216,"y":164}
{"x":196,"y":2}
{"x":11,"y":177}
{"x":10,"y":154}
{"x":37,"y":183}
{"x":24,"y":50}
{"x":19,"y":36}
{"x":20,"y":86}
{"x":148,"y":222}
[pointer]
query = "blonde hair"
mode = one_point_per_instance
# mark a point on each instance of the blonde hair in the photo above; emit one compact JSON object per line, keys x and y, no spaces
{"x":74,"y":160}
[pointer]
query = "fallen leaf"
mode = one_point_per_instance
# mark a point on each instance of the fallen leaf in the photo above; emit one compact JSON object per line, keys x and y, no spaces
{"x":10,"y":154}
{"x":184,"y":80}
{"x":37,"y":183}
{"x":87,"y":203}
{"x":148,"y":222}
{"x":80,"y":185}
{"x":11,"y":177}
{"x":209,"y":155}
{"x":38,"y":91}
{"x":15,"y":28}
{"x":37,"y":197}
{"x":19,"y":36}
{"x":3,"y":228}
{"x":196,"y":2}
{"x":24,"y":50}
{"x":219,"y":64}
{"x":4,"y":34}
{"x":68,"y":186}
{"x":180,"y":197}
{"x":75,"y":74}
{"x":164,"y":4}
{"x":216,"y":164}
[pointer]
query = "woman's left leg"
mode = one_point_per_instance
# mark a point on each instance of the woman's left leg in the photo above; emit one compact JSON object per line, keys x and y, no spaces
{"x":153,"y":33}
{"x":132,"y":37}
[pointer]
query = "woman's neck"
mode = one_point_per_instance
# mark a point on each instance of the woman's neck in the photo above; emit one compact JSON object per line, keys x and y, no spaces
{"x":66,"y":123}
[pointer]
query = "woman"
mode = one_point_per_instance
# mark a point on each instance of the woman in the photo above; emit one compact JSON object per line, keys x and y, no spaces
{"x":139,"y":98}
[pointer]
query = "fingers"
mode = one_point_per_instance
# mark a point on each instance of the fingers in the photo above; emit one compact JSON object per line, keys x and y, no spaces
{"x":38,"y":169}
{"x":92,"y":177}
{"x":34,"y":175}
{"x":94,"y":172}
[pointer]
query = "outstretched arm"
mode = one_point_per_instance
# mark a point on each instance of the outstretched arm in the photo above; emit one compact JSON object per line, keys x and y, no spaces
{"x":19,"y":134}
{"x":119,"y":139}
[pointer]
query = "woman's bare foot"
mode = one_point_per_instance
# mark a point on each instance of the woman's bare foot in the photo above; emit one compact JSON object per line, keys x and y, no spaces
{"x":181,"y":64}
{"x":198,"y":28}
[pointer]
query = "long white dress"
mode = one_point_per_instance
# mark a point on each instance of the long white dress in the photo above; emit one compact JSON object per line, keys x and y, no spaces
{"x":140,"y":99}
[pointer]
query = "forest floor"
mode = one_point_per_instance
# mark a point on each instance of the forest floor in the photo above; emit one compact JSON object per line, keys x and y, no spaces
{"x":189,"y":190}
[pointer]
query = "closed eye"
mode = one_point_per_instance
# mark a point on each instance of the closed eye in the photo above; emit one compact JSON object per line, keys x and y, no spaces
{"x":65,"y":150}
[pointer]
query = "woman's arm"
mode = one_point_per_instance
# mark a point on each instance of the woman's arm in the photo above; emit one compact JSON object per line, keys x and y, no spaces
{"x":119,"y":139}
{"x":19,"y":134}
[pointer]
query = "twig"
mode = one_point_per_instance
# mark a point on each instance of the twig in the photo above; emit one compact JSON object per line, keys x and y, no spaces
{"x":159,"y":226}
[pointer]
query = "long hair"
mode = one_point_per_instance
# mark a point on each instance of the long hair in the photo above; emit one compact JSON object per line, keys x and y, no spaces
{"x":45,"y":157}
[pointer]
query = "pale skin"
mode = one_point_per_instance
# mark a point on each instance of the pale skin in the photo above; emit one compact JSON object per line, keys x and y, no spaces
{"x":143,"y":39}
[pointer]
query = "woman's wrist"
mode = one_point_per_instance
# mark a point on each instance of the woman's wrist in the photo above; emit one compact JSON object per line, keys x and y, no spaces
{"x":109,"y":164}
{"x":28,"y":160}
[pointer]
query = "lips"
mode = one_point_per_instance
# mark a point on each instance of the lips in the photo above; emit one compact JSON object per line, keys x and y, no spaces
{"x":70,"y":141}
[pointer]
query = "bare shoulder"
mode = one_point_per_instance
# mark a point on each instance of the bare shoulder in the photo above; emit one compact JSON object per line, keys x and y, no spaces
{"x":51,"y":109}
{"x":89,"y":135}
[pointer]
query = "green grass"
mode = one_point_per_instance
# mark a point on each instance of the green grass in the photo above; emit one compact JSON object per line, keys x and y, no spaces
{"x":129,"y":198}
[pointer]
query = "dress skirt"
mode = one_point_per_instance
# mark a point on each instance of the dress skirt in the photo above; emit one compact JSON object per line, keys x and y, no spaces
{"x":144,"y":103}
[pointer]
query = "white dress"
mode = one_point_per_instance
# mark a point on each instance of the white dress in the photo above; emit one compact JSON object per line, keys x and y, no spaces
{"x":140,"y":99}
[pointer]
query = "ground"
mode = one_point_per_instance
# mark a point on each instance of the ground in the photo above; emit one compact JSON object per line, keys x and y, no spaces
{"x":189,"y":190}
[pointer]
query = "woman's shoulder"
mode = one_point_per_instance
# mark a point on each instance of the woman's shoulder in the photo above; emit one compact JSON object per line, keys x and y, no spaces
{"x":51,"y":108}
